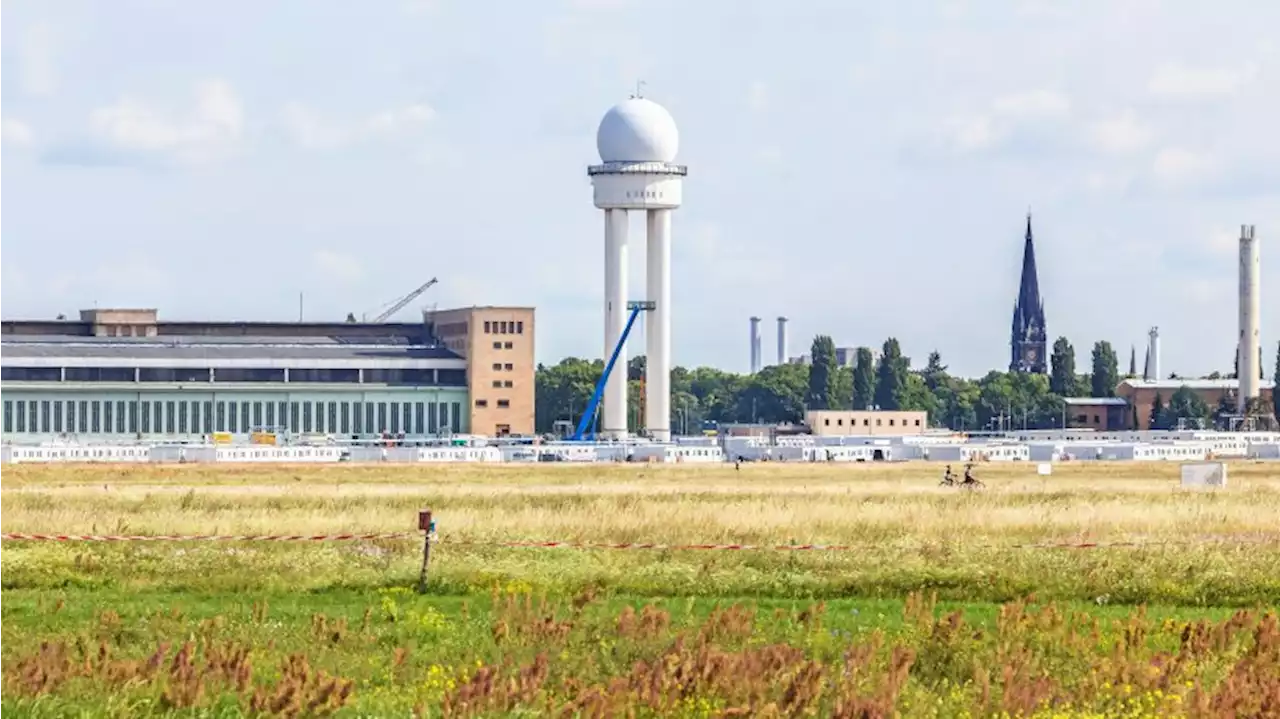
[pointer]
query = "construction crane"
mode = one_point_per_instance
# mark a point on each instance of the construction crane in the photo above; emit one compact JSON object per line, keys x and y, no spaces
{"x":585,"y":430}
{"x":402,"y":302}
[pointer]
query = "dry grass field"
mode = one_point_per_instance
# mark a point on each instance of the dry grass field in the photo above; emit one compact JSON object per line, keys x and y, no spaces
{"x":552,"y":630}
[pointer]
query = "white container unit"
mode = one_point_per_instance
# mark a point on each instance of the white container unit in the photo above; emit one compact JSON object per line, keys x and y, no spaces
{"x":268,"y":453}
{"x":459,"y":454}
{"x":668,"y":453}
{"x":91,"y":453}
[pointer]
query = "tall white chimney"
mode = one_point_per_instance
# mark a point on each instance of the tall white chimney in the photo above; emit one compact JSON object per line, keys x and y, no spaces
{"x":755,"y":345}
{"x":1249,"y":349}
{"x":782,"y":340}
{"x":1153,"y":354}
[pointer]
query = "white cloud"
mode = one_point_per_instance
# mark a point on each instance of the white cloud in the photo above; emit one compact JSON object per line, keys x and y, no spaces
{"x":1180,"y":166}
{"x":36,"y":60}
{"x":403,"y":119}
{"x":1030,"y":105}
{"x":1179,"y":81}
{"x":1006,"y":115}
{"x":1123,"y":133}
{"x":310,"y":130}
{"x":337,"y":266}
{"x":16,"y":132}
{"x":206,"y":133}
{"x":757,"y":96}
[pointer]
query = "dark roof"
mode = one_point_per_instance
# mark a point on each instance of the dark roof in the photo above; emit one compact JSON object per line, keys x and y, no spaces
{"x":213,"y":348}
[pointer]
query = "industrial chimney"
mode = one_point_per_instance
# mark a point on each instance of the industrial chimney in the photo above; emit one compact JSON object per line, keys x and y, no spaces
{"x":755,"y":345}
{"x":782,"y":340}
{"x":1249,"y":349}
{"x":1153,"y":354}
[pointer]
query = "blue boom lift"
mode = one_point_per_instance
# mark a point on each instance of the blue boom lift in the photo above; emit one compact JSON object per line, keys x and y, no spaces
{"x":586,"y":426}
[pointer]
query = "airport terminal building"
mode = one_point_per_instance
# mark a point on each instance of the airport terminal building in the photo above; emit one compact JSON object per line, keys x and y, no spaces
{"x":124,"y":374}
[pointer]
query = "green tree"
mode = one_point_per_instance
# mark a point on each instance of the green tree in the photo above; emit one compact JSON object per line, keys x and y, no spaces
{"x":1185,"y":404}
{"x":891,"y":376}
{"x":822,"y":380}
{"x":562,"y":391}
{"x":1106,"y":374}
{"x":934,"y":373}
{"x":864,"y":379}
{"x":1157,"y":414}
{"x":842,"y":394}
{"x":1062,"y":368}
{"x":775,"y":394}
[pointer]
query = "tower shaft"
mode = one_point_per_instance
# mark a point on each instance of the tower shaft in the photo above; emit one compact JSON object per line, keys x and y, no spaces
{"x":1028,"y":337}
{"x":658,"y":331}
{"x":613,"y":413}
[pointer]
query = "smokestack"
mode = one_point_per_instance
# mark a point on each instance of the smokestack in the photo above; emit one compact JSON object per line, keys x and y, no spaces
{"x":1153,"y":354}
{"x":755,"y":345}
{"x":782,"y":340}
{"x":1250,"y":347}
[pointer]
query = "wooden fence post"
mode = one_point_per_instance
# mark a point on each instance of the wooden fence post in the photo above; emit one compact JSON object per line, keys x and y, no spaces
{"x":428,"y":527}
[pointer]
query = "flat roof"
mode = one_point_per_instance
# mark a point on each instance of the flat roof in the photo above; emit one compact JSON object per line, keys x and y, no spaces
{"x":1190,"y":383}
{"x":17,"y":349}
{"x":1094,"y":401}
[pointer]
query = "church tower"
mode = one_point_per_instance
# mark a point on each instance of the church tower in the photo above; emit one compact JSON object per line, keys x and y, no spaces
{"x":1028,"y":340}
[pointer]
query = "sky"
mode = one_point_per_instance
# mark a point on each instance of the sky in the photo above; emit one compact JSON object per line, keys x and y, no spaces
{"x":863,"y":168}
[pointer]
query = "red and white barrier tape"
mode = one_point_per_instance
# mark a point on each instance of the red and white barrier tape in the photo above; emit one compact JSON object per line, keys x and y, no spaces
{"x":596,"y":545}
{"x":206,"y":537}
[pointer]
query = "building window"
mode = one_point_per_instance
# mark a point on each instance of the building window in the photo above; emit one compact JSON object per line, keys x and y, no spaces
{"x":248,"y":374}
{"x":208,"y":417}
{"x":826,"y":422}
{"x":58,"y":426}
{"x":182,"y":418}
{"x":342,"y":376}
{"x":369,"y":426}
{"x":395,"y":418}
{"x":295,"y":423}
{"x":221,"y":424}
{"x":444,"y":415}
{"x":520,"y":328}
{"x":418,"y":416}
{"x":877,"y":421}
{"x":83,"y":415}
{"x":168,"y":420}
{"x":144,"y":427}
{"x":306,"y":416}
{"x":8,"y":416}
{"x":107,"y":408}
{"x":497,"y":383}
{"x":357,"y":418}
{"x":407,"y":417}
{"x":506,"y":345}
{"x":382,"y":417}
{"x":432,"y":417}
{"x":45,"y":424}
{"x":917,"y":423}
{"x":497,"y":345}
{"x":257,"y":415}
{"x":31,"y":374}
{"x":482,"y":403}
{"x":507,"y":366}
{"x":456,"y":420}
{"x":507,"y":383}
{"x":133,"y":417}
{"x":890,"y":422}
{"x":271,"y":415}
{"x":344,"y":412}
{"x":99,"y":374}
{"x":172,"y":374}
{"x":504,"y":403}
{"x":233,"y":417}
{"x":22,"y":416}
{"x":487,"y":327}
{"x":497,"y":366}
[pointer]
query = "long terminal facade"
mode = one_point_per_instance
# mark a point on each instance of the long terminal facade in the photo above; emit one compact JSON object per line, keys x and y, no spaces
{"x":124,"y":374}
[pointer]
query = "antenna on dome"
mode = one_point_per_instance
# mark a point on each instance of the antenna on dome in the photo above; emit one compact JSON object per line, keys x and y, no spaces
{"x":639,"y":84}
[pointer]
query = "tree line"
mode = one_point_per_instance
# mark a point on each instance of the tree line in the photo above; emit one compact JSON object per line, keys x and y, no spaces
{"x":783,"y":393}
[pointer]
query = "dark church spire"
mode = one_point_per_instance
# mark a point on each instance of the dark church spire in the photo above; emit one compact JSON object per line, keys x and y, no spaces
{"x":1028,"y":337}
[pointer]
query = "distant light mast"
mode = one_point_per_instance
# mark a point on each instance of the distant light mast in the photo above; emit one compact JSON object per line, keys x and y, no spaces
{"x":638,"y":141}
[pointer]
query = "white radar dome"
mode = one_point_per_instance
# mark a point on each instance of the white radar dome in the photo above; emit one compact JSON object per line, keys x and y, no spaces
{"x":638,"y":130}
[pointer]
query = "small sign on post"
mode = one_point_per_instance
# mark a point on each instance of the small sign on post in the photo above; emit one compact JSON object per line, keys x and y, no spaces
{"x":428,"y":527}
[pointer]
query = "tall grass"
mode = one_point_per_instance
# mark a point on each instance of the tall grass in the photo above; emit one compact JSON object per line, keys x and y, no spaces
{"x":1198,"y":547}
